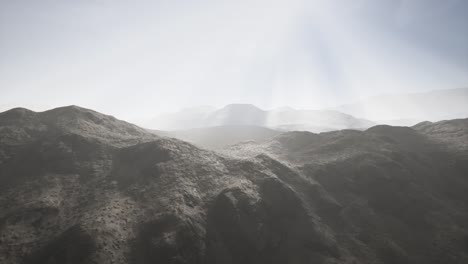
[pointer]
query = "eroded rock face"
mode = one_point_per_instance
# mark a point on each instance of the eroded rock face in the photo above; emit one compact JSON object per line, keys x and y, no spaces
{"x":272,"y":226}
{"x":73,"y":246}
{"x":138,"y":163}
{"x":169,"y":239}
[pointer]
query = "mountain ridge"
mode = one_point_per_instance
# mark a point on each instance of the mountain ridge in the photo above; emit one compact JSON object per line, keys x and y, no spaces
{"x":71,"y":119}
{"x":384,"y":195}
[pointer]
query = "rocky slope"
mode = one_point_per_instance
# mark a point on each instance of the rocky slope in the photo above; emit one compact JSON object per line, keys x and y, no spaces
{"x":81,"y":187}
{"x":21,"y":125}
{"x":391,"y":194}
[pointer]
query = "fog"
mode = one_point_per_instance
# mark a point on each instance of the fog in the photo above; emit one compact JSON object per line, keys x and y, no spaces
{"x":138,"y":59}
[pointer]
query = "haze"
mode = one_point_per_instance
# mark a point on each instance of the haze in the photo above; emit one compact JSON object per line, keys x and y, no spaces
{"x":134,"y":59}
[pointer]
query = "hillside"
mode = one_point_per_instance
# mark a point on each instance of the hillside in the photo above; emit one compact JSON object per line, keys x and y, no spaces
{"x":453,"y":133}
{"x":396,"y":193}
{"x":21,"y":125}
{"x":81,"y":187}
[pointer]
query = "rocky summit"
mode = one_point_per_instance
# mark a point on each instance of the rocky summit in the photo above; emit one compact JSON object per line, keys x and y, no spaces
{"x":77,"y":186}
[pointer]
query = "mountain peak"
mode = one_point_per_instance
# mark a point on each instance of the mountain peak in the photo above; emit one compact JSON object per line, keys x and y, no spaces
{"x":243,"y":107}
{"x":238,"y":114}
{"x":15,"y":115}
{"x":72,"y":120}
{"x":17,"y":111}
{"x":71,"y":109}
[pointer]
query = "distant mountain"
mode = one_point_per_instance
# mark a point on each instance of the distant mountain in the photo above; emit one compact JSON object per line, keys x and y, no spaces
{"x":77,"y":186}
{"x":237,"y":114}
{"x":416,"y":107}
{"x":249,"y":115}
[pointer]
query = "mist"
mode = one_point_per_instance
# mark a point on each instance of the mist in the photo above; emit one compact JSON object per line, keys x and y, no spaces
{"x":141,"y":59}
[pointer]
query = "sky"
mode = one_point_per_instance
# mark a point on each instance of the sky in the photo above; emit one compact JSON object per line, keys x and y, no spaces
{"x":135,"y":59}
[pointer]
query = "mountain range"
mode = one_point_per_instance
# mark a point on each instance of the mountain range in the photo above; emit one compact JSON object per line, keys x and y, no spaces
{"x":392,"y":109}
{"x":284,"y":119}
{"x":77,"y":186}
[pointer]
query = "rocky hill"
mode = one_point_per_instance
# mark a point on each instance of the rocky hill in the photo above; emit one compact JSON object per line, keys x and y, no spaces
{"x":393,"y":194}
{"x":21,"y":125}
{"x":81,"y":187}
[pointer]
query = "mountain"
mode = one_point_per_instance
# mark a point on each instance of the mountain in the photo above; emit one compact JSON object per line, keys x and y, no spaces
{"x":394,"y":194}
{"x":64,"y":139}
{"x":432,"y":106}
{"x":21,"y":125}
{"x":237,"y":114}
{"x":284,"y":118}
{"x":77,"y":186}
{"x":70,"y":196}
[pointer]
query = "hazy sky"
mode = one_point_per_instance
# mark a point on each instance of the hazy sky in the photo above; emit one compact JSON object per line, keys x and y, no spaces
{"x":135,"y":58}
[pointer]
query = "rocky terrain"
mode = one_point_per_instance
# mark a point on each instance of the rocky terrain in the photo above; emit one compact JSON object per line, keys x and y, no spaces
{"x":77,"y":186}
